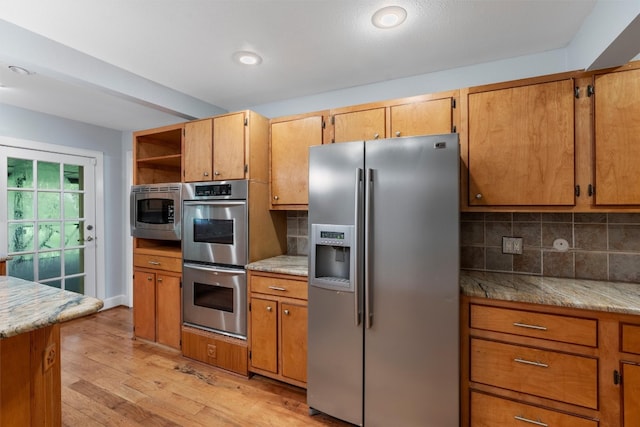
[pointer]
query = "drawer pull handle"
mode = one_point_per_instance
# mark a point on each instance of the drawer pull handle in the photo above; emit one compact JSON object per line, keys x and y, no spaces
{"x":527,"y":420}
{"x":154,"y":263}
{"x":277,"y":288}
{"x":529,"y":362}
{"x":524,"y":325}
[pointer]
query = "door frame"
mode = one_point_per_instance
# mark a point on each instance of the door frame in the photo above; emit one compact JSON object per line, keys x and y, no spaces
{"x":99,"y":196}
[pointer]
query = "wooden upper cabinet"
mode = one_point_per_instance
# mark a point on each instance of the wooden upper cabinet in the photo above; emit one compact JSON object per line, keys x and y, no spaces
{"x":290,"y":142}
{"x":198,"y":150}
{"x":422,"y":118}
{"x":617,"y":138}
{"x":229,"y":147}
{"x":521,"y":145}
{"x":359,"y":125}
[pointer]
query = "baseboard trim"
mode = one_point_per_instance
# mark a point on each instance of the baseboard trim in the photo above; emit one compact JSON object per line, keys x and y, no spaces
{"x":114,"y":302}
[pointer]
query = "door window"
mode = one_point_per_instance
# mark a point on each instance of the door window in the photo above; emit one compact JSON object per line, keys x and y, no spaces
{"x":50,"y":217}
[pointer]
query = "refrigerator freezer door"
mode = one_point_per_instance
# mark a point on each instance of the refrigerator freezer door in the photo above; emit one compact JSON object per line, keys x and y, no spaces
{"x":335,"y":345}
{"x":411,"y":349}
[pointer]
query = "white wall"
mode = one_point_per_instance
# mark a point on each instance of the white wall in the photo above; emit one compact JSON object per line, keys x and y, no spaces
{"x":509,"y":69}
{"x":30,"y":125}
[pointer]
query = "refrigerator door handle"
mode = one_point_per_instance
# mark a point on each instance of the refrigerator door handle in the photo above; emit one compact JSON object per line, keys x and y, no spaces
{"x":356,"y":246}
{"x":367,"y":226}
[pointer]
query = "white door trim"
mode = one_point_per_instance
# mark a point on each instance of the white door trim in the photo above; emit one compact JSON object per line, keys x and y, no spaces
{"x":81,"y":152}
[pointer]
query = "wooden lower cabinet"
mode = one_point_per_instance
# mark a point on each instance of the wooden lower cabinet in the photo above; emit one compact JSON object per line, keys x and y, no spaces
{"x":533,"y":364}
{"x":631,"y":394}
{"x":3,"y":268}
{"x":278,"y":327}
{"x":157,"y":299}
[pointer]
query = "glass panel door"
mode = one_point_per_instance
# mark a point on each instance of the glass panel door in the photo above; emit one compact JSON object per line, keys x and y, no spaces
{"x":50,"y":218}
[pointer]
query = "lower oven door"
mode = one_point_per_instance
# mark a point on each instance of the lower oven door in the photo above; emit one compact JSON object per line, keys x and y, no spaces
{"x":215,"y":298}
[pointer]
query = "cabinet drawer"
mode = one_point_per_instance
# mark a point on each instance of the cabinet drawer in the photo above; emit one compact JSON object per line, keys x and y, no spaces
{"x":278,"y":286}
{"x":490,"y":411}
{"x":572,"y":330}
{"x":630,"y":338}
{"x":551,"y":374}
{"x":157,"y":262}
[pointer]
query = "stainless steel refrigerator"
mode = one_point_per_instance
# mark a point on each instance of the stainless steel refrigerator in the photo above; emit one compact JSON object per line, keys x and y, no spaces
{"x":383,"y":344}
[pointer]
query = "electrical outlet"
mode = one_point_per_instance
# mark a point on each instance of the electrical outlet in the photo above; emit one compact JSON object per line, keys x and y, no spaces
{"x":512,"y":245}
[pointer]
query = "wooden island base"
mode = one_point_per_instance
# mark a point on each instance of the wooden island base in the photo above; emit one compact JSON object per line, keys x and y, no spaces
{"x":30,"y":387}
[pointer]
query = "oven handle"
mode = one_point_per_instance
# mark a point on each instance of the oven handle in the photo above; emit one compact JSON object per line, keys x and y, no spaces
{"x":215,"y":269}
{"x":215,"y":202}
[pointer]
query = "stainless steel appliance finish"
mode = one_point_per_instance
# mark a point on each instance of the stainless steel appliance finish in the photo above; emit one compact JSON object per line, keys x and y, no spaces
{"x":215,"y":252}
{"x":384,"y":350}
{"x":215,"y":298}
{"x":155,"y":211}
{"x":215,"y":222}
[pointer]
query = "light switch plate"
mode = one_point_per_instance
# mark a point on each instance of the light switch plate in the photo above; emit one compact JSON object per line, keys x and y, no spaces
{"x":512,"y":245}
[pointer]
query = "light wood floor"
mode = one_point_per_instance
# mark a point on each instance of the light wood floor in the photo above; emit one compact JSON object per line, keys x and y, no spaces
{"x":110,"y":379}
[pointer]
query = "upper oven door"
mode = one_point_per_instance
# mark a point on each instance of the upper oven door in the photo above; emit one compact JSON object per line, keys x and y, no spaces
{"x":215,"y":231}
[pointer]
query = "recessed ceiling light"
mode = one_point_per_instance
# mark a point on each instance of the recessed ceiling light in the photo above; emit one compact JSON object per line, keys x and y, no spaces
{"x":247,"y":58}
{"x":20,"y":70}
{"x":389,"y":17}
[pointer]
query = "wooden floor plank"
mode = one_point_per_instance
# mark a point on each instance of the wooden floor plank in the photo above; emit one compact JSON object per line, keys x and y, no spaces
{"x":111,"y":379}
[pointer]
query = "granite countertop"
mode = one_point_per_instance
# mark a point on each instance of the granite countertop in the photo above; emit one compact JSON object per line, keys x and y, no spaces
{"x":614,"y":297}
{"x":285,"y":264}
{"x":26,"y":306}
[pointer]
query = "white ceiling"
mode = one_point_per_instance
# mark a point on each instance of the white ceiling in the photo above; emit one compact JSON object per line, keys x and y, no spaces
{"x":131,"y":64}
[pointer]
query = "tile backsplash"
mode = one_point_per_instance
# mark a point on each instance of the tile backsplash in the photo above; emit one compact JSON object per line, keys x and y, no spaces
{"x":297,"y":233}
{"x":601,"y":246}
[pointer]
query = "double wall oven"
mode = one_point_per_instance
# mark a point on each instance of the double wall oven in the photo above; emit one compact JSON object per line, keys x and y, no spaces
{"x":215,"y":252}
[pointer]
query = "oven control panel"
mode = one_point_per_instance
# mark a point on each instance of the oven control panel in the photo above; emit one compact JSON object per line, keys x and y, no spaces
{"x":213,"y":190}
{"x":217,"y":190}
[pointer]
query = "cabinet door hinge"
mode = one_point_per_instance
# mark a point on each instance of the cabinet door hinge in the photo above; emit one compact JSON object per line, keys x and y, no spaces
{"x":249,"y":306}
{"x":454,"y":129}
{"x":246,"y":121}
{"x":591,"y":190}
{"x":333,"y":140}
{"x":617,"y":378}
{"x":576,"y":92}
{"x":333,"y":120}
{"x":591,"y":90}
{"x":577,"y":192}
{"x":324,"y":124}
{"x":453,"y":103}
{"x":249,"y":355}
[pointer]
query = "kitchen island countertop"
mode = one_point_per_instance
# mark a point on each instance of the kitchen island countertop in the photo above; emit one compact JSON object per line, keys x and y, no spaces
{"x":26,"y":306}
{"x":614,"y":297}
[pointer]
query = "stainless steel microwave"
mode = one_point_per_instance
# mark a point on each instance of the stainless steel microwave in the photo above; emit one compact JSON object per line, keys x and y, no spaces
{"x":156,"y":211}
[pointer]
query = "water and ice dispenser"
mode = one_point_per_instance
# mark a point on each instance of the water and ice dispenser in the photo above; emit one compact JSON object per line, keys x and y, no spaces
{"x":332,"y":257}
